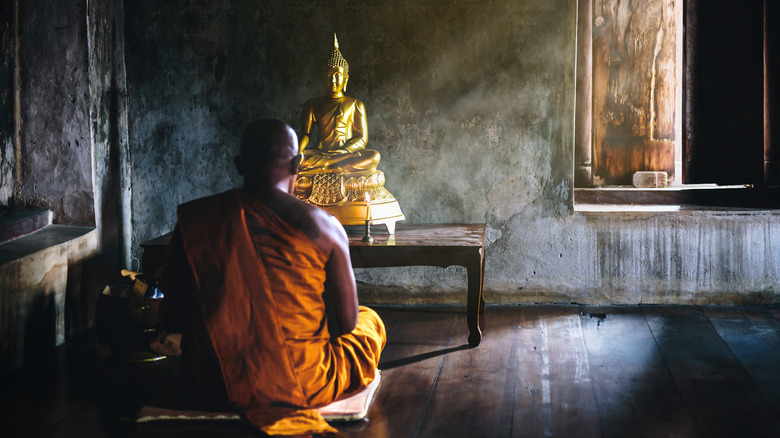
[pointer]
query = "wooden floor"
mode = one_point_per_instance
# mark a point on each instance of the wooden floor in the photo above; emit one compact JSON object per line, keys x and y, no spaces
{"x":541,"y":371}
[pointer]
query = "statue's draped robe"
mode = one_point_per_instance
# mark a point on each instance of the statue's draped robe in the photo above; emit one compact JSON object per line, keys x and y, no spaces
{"x":335,"y":123}
{"x":255,"y":320}
{"x":338,"y":122}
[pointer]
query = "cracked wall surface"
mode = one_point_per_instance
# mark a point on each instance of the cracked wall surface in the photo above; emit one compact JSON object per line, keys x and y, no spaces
{"x":55,"y":171}
{"x":471,"y":105}
{"x":7,"y":155}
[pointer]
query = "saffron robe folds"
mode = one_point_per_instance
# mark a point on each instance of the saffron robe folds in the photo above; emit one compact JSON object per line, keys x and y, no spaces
{"x":258,"y":288}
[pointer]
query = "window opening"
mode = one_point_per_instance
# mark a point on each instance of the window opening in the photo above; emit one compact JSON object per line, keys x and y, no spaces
{"x":677,"y":90}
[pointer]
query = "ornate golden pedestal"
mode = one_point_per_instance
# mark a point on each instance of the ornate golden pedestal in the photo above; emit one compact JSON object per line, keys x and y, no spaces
{"x":344,"y":196}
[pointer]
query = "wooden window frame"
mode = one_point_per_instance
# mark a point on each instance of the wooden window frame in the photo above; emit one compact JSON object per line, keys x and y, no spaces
{"x":760,"y":191}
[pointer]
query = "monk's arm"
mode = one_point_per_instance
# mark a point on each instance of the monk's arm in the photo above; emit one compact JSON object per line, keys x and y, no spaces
{"x":177,"y":308}
{"x":341,"y":285}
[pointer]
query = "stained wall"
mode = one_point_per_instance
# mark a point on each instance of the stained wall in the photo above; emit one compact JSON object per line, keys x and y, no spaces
{"x":470,"y":103}
{"x":51,"y":60}
{"x":7,"y":155}
{"x":47,"y":295}
{"x":56,"y":169}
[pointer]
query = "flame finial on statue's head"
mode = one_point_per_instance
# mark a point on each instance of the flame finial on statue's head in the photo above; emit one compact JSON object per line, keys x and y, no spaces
{"x":336,"y":59}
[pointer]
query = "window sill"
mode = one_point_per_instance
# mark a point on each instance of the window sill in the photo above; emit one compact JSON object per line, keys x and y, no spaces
{"x":679,"y":198}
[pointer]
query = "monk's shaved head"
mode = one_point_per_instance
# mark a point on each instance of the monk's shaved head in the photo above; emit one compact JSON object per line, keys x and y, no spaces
{"x":269,"y":149}
{"x":266,"y":140}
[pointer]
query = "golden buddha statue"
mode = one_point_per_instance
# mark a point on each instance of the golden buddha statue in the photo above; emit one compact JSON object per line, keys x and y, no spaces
{"x":339,"y":174}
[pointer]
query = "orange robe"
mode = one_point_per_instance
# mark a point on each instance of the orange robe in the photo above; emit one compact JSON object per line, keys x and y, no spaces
{"x":258,"y":287}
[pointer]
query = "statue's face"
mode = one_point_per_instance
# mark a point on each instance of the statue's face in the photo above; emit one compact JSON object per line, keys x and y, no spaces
{"x":336,"y":78}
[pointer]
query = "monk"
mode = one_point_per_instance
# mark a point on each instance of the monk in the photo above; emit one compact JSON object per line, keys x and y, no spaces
{"x":261,"y":288}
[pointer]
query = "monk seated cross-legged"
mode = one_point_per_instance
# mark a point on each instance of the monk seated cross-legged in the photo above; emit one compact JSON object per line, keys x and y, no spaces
{"x":261,"y":288}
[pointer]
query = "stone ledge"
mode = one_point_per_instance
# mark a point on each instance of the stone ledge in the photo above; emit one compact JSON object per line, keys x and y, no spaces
{"x":654,"y":209}
{"x":49,"y":281}
{"x":18,"y":223}
{"x":686,"y":196}
{"x":40,"y":240}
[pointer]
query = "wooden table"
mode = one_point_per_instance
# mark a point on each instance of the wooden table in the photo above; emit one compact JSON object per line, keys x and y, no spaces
{"x":431,"y":245}
{"x":412,"y":245}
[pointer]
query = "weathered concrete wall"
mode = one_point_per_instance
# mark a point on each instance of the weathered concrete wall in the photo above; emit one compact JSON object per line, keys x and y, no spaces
{"x":188,"y":103}
{"x":108,"y":128}
{"x":7,"y":158}
{"x":686,"y":257}
{"x":47,"y":294}
{"x":72,"y":95}
{"x":470,"y":103}
{"x":484,"y":87}
{"x":56,"y":168}
{"x":702,"y":257}
{"x":49,"y":280}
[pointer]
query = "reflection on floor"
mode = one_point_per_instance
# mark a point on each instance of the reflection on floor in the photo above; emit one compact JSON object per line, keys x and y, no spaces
{"x":540,"y":371}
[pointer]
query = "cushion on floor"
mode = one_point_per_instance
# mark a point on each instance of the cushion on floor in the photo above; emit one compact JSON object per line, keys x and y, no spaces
{"x":351,"y":407}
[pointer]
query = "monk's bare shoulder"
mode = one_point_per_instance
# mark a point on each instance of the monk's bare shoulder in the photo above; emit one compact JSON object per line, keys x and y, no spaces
{"x":332,"y":233}
{"x":319,"y":226}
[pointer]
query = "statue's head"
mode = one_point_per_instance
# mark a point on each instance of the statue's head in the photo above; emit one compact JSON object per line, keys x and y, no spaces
{"x":336,"y":69}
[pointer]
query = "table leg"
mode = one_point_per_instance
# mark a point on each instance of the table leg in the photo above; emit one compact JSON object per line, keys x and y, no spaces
{"x":474,"y":301}
{"x":482,"y":286}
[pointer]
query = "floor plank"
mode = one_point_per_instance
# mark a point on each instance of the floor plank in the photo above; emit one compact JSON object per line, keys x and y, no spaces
{"x":753,"y":336}
{"x":475,"y":391}
{"x":571,"y":409}
{"x":717,"y":390}
{"x":410,"y":366}
{"x":389,"y":316}
{"x":540,"y":371}
{"x":774,"y":310}
{"x":528,"y":419}
{"x":41,"y":397}
{"x":196,"y":430}
{"x":554,"y":395}
{"x":635,"y":392}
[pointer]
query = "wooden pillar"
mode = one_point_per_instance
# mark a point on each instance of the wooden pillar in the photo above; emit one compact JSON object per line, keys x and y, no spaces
{"x":583,"y":165}
{"x":771,"y":93}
